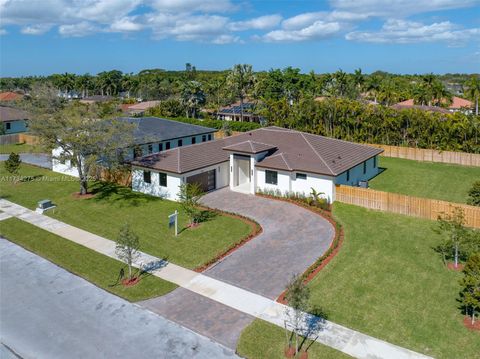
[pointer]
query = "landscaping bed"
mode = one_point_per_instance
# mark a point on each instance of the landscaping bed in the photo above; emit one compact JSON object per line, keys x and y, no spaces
{"x":97,"y":268}
{"x":113,"y":205}
{"x":425,"y":179}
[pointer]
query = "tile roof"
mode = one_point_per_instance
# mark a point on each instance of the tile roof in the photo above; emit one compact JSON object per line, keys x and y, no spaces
{"x":155,"y":129}
{"x":458,"y":102}
{"x":141,"y":106}
{"x":10,"y":96}
{"x":290,"y":151}
{"x":249,"y":147}
{"x":12,"y":114}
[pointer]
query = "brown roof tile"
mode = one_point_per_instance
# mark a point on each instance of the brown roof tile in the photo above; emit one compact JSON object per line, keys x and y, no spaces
{"x":250,"y":147}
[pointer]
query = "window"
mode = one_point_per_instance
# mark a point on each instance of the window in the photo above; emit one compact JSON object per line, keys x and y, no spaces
{"x":167,"y":146}
{"x":162,"y":179}
{"x":180,"y":143}
{"x":348,"y":175}
{"x":209,"y":136}
{"x":147,"y":177}
{"x":301,"y":176}
{"x":271,"y":177}
{"x":204,"y":138}
{"x":364,"y":167}
{"x":137,"y":151}
{"x":194,"y":140}
{"x":374,"y":162}
{"x":160,"y":147}
{"x":8,"y":125}
{"x":150,"y":148}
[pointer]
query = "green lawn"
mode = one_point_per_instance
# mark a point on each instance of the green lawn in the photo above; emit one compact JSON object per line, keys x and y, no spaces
{"x":20,"y":148}
{"x":262,"y":340}
{"x":94,"y":267}
{"x":112,"y":206}
{"x":388,"y":282}
{"x":426,"y":179}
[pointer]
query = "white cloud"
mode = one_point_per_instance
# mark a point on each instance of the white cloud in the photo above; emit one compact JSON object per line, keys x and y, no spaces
{"x":83,"y":28}
{"x":39,"y":29}
{"x":306,"y":19}
{"x":399,"y":8}
{"x":317,"y":30}
{"x":207,"y":6}
{"x":126,"y":24}
{"x":226,"y":39}
{"x":404,"y":32}
{"x":3,"y":32}
{"x":258,"y":23}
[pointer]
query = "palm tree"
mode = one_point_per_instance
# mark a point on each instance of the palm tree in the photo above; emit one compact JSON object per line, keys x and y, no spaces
{"x":241,"y":80}
{"x":192,"y":97}
{"x":84,"y":83}
{"x":358,"y":79}
{"x":373,"y":86}
{"x":473,"y":90}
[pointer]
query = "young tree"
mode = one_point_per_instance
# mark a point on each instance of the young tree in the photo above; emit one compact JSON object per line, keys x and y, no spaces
{"x":189,"y":197}
{"x":12,"y":164}
{"x":474,"y":194}
{"x":127,"y":246}
{"x":470,"y":294}
{"x":298,"y":297}
{"x":82,"y":137}
{"x":453,"y":225}
{"x":241,"y":80}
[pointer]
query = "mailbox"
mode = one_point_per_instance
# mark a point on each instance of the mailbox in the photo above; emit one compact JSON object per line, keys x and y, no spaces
{"x":45,"y":204}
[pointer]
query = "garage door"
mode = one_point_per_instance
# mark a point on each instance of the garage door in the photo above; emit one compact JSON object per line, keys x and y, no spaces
{"x":206,"y":180}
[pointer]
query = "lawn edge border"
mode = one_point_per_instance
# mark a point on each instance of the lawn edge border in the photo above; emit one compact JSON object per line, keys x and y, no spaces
{"x":255,"y":230}
{"x":329,"y":254}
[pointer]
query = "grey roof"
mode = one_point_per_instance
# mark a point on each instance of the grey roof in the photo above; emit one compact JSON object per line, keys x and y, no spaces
{"x":12,"y":114}
{"x":289,"y":151}
{"x":155,"y":129}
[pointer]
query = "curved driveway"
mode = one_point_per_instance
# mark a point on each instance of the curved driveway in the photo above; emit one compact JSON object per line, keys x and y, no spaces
{"x":292,"y":239}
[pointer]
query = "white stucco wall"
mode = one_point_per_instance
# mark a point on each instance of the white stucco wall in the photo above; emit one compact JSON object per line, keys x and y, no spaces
{"x":64,"y":168}
{"x":283,"y":181}
{"x":356,"y":173}
{"x":322,"y":184}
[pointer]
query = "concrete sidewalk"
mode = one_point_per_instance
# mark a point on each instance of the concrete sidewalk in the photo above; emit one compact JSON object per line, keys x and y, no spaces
{"x":333,"y":335}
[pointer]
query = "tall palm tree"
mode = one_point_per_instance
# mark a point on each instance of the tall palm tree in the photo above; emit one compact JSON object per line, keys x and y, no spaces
{"x":241,"y":80}
{"x":192,"y":97}
{"x":373,"y":86}
{"x":358,"y":79}
{"x":473,"y":90}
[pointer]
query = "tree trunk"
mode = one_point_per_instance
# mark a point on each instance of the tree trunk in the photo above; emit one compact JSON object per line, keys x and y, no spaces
{"x":473,"y":316}
{"x":129,"y":269}
{"x":476,"y":106}
{"x":83,"y":186}
{"x":456,"y":255}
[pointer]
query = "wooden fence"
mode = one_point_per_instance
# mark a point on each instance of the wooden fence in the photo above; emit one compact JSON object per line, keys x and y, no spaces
{"x":122,"y":178}
{"x":420,"y":154}
{"x":402,"y":204}
{"x":19,"y":138}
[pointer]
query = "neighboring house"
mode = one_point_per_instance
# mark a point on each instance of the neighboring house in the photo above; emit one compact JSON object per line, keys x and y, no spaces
{"x":151,"y":135}
{"x":96,"y":99}
{"x":10,"y":96}
{"x":140,"y":108}
{"x":233,"y":113}
{"x":458,"y":104}
{"x":13,"y":120}
{"x":270,"y":158}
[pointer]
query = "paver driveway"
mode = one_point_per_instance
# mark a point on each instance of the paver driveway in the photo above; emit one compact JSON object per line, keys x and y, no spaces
{"x":47,"y":312}
{"x":292,"y":239}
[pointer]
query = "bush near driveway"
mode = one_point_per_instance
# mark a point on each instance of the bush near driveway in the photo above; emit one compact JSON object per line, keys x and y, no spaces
{"x":112,"y":206}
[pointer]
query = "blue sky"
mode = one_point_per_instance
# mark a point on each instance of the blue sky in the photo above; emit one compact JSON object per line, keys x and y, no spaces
{"x":40,"y":37}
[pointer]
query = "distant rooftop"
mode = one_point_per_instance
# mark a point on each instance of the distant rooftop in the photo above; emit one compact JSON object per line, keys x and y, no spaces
{"x":12,"y":114}
{"x":10,"y":96}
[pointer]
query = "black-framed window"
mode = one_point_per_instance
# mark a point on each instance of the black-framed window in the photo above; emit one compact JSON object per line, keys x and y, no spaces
{"x":271,"y":177}
{"x":8,"y":125}
{"x":167,"y":145}
{"x":302,"y":176}
{"x":180,"y":143}
{"x":348,"y":175}
{"x":364,"y":167}
{"x":162,"y":179}
{"x":194,"y":140}
{"x":374,"y":162}
{"x":204,"y":138}
{"x":147,"y":176}
{"x":209,"y":136}
{"x":160,"y":147}
{"x":150,"y":148}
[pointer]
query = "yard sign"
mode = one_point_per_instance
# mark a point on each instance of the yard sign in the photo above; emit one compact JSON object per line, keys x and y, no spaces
{"x":173,"y":221}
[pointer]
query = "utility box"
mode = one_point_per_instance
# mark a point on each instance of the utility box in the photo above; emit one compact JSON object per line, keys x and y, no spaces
{"x":363,"y":184}
{"x":44,"y":205}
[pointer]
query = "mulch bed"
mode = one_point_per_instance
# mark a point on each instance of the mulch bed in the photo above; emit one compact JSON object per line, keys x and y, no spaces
{"x":451,"y":266}
{"x":130,"y":282}
{"x":77,"y":195}
{"x":289,"y":352}
{"x":467,"y":322}
{"x":256,"y":229}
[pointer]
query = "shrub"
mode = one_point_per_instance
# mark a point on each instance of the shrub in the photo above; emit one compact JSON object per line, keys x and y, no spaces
{"x":474,"y":194}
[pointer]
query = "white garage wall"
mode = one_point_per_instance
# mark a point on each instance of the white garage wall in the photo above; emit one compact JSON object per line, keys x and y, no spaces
{"x":64,"y":168}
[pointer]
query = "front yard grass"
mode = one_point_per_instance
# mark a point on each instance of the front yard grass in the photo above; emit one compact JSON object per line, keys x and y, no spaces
{"x":262,"y":340}
{"x":94,"y":267}
{"x":387,"y":281}
{"x":20,"y":148}
{"x":112,"y":206}
{"x":425,"y":179}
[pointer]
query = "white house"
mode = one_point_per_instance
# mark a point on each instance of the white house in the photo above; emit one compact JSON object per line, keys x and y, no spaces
{"x":151,"y":135}
{"x":268,"y":158}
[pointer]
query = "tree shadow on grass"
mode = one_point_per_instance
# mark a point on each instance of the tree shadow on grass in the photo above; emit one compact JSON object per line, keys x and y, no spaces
{"x":144,"y":272}
{"x":105,"y":191}
{"x":204,"y":216}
